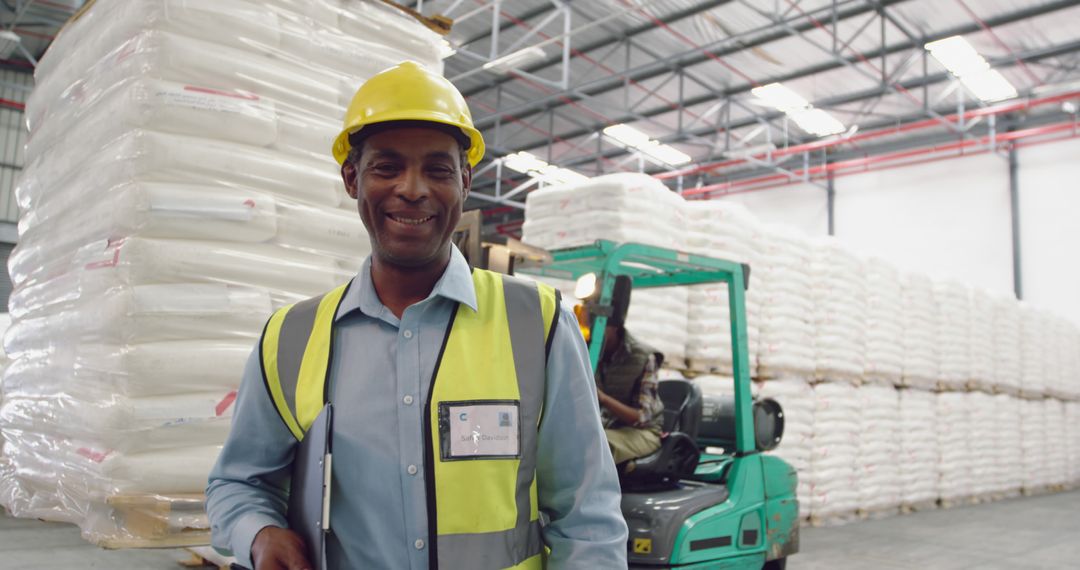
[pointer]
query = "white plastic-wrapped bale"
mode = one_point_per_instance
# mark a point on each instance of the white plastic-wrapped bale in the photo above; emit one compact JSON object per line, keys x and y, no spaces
{"x":884,"y":324}
{"x":782,"y":288}
{"x":956,"y":459}
{"x":796,"y":398}
{"x":658,"y":317}
{"x":1070,"y":363}
{"x":1007,"y":345}
{"x":833,"y":491}
{"x":839,"y":297}
{"x":624,"y":207}
{"x":878,"y":478}
{"x":1072,"y":427}
{"x":147,"y":265}
{"x":919,"y":447}
{"x":920,"y":333}
{"x":983,"y":422}
{"x":1057,"y":462}
{"x":981,"y":339}
{"x":1033,"y":440}
{"x":953,"y":311}
{"x":708,"y":345}
{"x":1007,"y":446}
{"x":723,"y":230}
{"x":1033,"y":349}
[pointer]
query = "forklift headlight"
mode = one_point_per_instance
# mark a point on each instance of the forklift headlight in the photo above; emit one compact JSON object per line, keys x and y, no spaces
{"x":586,"y":286}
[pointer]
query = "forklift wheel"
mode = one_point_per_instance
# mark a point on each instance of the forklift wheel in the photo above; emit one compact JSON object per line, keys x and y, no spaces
{"x":778,"y":564}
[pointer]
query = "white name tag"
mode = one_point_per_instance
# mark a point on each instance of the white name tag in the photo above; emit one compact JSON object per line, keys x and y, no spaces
{"x":480,"y":430}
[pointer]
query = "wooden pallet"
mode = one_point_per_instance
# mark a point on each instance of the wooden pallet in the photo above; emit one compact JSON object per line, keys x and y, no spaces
{"x":206,"y":557}
{"x":834,"y":520}
{"x":923,"y":506}
{"x":144,"y":522}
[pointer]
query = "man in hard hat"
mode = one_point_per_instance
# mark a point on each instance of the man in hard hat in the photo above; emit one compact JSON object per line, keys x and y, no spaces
{"x":466,"y":433}
{"x":626,"y":379}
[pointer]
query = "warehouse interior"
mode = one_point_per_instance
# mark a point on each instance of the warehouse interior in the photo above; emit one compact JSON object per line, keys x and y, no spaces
{"x":863,"y":211}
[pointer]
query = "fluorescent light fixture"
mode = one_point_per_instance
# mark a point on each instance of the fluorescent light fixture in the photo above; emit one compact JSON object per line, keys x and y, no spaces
{"x":798,"y":109}
{"x":780,"y":97}
{"x":989,"y":85}
{"x":817,"y":122}
{"x":515,"y":60}
{"x":526,"y":163}
{"x":957,"y":55}
{"x":961,"y":59}
{"x":446,"y":49}
{"x":630,"y":137}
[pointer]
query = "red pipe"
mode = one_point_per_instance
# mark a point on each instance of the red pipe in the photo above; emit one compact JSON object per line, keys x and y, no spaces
{"x":817,"y":171}
{"x":914,"y":126}
{"x":12,"y":104}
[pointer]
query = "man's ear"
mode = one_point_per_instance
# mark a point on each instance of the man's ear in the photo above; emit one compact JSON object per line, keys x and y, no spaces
{"x":348,"y":176}
{"x":466,"y":180}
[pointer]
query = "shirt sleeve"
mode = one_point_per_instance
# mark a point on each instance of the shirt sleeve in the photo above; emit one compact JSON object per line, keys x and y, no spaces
{"x":577,"y":485}
{"x":248,"y":487}
{"x":649,"y":403}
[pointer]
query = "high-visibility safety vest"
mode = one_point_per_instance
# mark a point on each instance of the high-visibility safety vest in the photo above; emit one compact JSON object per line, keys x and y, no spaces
{"x":482,"y":510}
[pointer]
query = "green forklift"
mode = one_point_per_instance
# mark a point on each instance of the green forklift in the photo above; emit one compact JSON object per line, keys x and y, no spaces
{"x":708,"y":498}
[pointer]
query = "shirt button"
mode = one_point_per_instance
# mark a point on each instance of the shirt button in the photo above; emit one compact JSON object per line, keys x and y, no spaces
{"x":407,"y":333}
{"x":407,"y":399}
{"x":411,"y":469}
{"x":419,"y":544}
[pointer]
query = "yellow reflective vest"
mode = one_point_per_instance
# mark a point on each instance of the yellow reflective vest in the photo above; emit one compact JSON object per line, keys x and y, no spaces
{"x":482,"y":415}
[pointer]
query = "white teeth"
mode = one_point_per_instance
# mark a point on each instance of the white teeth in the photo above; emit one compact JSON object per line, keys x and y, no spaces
{"x":410,"y":221}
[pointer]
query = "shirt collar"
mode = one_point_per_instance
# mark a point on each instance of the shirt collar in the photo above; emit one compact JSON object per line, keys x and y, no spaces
{"x":456,"y":284}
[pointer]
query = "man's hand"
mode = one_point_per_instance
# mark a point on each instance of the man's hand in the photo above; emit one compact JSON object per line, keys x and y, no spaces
{"x":279,"y":549}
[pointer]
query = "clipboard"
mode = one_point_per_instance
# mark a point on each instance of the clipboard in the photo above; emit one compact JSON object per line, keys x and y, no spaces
{"x":309,"y":493}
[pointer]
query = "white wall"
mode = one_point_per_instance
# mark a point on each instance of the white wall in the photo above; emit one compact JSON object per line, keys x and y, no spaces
{"x":949,"y":219}
{"x":1049,"y":185}
{"x":803,"y":206}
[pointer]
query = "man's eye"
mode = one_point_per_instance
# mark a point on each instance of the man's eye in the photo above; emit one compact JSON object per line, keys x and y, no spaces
{"x":384,"y":169}
{"x":441,"y":171}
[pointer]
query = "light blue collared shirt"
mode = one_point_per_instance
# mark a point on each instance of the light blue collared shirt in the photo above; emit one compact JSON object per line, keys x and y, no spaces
{"x":379,"y":379}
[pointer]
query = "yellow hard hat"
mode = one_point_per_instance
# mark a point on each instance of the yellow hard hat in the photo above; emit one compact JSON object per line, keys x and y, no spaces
{"x":408,"y":92}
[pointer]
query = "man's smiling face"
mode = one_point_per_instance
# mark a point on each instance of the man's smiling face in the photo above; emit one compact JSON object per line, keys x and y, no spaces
{"x":410,"y":185}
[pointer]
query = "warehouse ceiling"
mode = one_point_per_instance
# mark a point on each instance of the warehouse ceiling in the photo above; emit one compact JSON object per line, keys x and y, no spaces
{"x":546,"y":77}
{"x":36,"y":23}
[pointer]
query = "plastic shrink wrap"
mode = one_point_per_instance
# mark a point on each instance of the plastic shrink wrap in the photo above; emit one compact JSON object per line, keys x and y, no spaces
{"x":782,"y":287}
{"x":878,"y":461}
{"x":919,"y":449}
{"x":833,"y":472}
{"x":839,"y":296}
{"x":955,"y":460}
{"x":178,"y":187}
{"x":723,"y":230}
{"x":796,"y":398}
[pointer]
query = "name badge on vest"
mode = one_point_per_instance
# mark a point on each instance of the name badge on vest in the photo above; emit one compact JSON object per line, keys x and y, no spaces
{"x":480,"y":429}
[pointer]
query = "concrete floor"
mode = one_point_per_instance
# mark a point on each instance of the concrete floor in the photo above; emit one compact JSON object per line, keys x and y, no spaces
{"x":1019,"y":534}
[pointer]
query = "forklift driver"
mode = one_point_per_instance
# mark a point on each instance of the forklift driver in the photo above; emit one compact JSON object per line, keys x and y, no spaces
{"x":626,"y":386}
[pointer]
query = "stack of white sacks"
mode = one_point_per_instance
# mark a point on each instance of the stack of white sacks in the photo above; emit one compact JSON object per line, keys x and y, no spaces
{"x":920,"y":335}
{"x":839,"y":297}
{"x":884,"y":328}
{"x":918,"y":448}
{"x":955,"y":457}
{"x":1006,"y":437}
{"x":1006,"y":347}
{"x":178,"y":188}
{"x":796,"y":397}
{"x":982,"y":414}
{"x":981,"y":340}
{"x":785,"y":313}
{"x":878,"y":476}
{"x":819,"y":312}
{"x":1072,"y":426}
{"x":953,"y":329}
{"x":728,"y":231}
{"x":833,"y":473}
{"x":624,"y":207}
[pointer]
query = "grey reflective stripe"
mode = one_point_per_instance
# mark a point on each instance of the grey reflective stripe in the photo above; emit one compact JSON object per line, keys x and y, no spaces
{"x":292,"y":343}
{"x":526,"y":319}
{"x":491,"y":550}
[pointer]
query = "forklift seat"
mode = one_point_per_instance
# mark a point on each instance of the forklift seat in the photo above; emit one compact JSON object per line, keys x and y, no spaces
{"x":678,"y":455}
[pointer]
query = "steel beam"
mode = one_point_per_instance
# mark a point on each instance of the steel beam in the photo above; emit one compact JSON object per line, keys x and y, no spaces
{"x":694,"y":57}
{"x":1014,"y":212}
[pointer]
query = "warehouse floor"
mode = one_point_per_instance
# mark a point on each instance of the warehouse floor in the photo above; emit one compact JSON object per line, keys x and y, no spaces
{"x":1041,"y":532}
